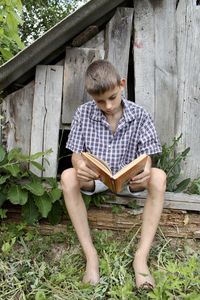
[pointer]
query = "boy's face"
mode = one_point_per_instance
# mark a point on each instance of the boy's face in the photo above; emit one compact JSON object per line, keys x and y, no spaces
{"x":110,"y":102}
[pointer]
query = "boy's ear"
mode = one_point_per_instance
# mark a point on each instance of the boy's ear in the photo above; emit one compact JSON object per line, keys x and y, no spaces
{"x":122,"y":83}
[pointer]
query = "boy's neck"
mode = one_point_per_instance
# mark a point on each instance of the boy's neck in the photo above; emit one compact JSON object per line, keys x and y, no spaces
{"x":113,"y":120}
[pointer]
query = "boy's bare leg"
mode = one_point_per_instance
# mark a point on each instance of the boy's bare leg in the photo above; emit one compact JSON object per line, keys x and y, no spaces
{"x":151,"y":216}
{"x":78,"y":214}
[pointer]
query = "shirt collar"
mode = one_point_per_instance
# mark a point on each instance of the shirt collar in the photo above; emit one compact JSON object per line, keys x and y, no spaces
{"x":129,"y":114}
{"x":97,"y":114}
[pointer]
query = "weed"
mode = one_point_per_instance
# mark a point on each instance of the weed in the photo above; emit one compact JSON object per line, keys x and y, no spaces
{"x":37,"y":196}
{"x":32,"y":269}
{"x":170,"y":161}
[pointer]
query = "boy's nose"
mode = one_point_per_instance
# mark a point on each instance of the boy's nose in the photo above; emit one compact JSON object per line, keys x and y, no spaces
{"x":108,"y":105}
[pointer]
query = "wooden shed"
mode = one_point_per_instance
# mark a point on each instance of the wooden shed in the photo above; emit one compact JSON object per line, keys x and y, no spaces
{"x":154,"y":44}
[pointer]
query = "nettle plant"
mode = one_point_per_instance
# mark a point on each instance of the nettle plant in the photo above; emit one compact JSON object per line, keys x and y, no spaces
{"x":170,"y":161}
{"x":39,"y":197}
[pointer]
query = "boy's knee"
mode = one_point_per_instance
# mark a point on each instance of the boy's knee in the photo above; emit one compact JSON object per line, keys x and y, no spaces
{"x":158,"y":179}
{"x":68,"y":179}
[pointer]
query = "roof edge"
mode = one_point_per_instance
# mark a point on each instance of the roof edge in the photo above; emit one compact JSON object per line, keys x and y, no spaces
{"x":54,"y":38}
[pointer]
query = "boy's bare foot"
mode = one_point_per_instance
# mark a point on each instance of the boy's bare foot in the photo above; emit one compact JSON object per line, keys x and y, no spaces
{"x":92,"y":272}
{"x":143,"y":277}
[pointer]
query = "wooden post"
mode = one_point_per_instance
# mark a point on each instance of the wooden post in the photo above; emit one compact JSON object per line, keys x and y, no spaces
{"x":46,"y":116}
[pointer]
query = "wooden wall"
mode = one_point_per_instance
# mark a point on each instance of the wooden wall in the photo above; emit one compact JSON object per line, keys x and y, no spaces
{"x":167,"y":71}
{"x":165,"y":46}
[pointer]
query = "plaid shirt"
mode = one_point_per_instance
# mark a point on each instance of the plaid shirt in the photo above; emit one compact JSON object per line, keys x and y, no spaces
{"x":135,"y":134}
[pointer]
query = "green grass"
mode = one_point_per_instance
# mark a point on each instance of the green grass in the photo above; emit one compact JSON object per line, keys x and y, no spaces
{"x":38,"y":267}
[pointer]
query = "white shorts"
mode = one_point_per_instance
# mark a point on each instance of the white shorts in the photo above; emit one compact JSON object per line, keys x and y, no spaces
{"x":101,"y":187}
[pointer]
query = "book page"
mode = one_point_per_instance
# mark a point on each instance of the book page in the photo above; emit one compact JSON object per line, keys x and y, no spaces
{"x":141,"y":160}
{"x":135,"y":167}
{"x":99,"y":163}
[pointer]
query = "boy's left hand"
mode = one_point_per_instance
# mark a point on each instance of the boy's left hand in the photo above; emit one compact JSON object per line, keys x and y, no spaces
{"x":144,"y":176}
{"x":140,"y":178}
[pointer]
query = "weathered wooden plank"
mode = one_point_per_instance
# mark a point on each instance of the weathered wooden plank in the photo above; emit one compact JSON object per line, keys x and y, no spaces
{"x":188,"y":108}
{"x":165,"y":69}
{"x":155,"y":63}
{"x":17,"y":109}
{"x":74,"y":93}
{"x":144,"y":54}
{"x":84,"y":36}
{"x":179,"y":201}
{"x":117,"y":39}
{"x":46,"y":116}
{"x":173,"y":223}
{"x":38,"y":116}
{"x":96,"y":42}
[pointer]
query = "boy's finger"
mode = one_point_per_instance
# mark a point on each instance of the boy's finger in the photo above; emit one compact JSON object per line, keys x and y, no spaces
{"x":140,"y":176}
{"x":88,"y":173}
{"x":140,"y":180}
{"x":92,"y":173}
{"x":137,"y":177}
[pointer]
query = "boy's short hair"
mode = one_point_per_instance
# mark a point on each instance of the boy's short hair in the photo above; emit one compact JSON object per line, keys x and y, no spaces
{"x":101,"y":76}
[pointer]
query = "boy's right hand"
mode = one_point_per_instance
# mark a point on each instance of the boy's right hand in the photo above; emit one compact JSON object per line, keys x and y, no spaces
{"x":84,"y":173}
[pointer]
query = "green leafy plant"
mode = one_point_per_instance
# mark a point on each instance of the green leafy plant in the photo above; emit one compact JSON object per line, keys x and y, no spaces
{"x":38,"y":266}
{"x":170,"y":161}
{"x":194,"y":187}
{"x":10,"y":42}
{"x":37,"y":196}
{"x":96,"y":199}
{"x":178,"y":280}
{"x":41,"y":15}
{"x":7,"y":246}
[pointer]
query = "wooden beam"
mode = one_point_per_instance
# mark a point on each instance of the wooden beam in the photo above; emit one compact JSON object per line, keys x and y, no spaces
{"x":84,"y":36}
{"x":179,"y":201}
{"x":173,"y":223}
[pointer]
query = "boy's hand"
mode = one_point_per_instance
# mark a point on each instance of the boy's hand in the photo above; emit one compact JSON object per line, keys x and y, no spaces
{"x":140,"y":178}
{"x":144,"y":176}
{"x":84,"y":173}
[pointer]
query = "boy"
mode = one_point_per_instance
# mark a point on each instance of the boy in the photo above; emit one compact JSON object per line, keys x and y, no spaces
{"x":117,"y":131}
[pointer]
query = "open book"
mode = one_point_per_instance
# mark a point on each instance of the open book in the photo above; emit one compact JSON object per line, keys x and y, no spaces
{"x":117,"y":181}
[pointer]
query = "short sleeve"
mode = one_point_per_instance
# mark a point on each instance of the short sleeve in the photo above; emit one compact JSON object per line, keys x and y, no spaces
{"x":148,"y":142}
{"x":75,"y":140}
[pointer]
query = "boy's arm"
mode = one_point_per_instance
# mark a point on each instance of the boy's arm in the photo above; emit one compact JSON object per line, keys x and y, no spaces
{"x":145,"y":175}
{"x":83,"y":172}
